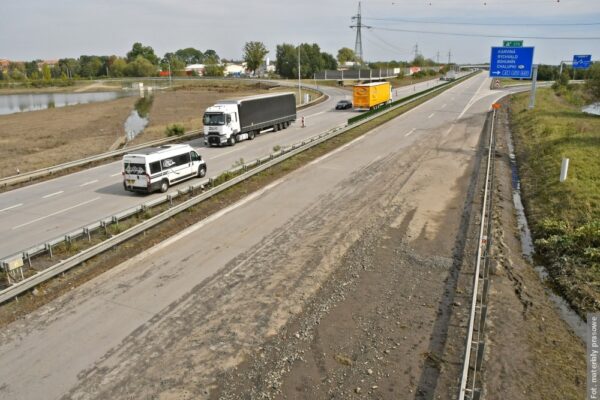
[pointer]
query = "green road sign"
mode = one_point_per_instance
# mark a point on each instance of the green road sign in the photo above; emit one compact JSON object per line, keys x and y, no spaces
{"x":513,"y":43}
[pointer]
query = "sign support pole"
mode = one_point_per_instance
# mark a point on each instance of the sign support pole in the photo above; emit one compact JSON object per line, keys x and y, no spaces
{"x":533,"y":84}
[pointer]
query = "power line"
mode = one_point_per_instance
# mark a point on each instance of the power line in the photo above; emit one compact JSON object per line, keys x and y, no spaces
{"x":480,"y":24}
{"x":485,"y":35}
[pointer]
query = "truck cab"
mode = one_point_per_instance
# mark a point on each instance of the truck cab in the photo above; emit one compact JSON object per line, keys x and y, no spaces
{"x":221,"y":124}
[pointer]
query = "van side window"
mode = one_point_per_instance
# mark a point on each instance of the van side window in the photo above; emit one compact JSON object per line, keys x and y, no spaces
{"x":155,"y":167}
{"x":195,"y":156}
{"x":168,"y":163}
{"x":182,"y":159}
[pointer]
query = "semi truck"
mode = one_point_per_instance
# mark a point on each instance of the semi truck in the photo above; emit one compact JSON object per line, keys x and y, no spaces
{"x":367,"y":96}
{"x":231,"y":121}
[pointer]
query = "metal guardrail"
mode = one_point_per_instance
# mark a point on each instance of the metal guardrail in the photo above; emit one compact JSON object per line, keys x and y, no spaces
{"x":254,"y":168}
{"x":474,"y":349}
{"x":29,"y":176}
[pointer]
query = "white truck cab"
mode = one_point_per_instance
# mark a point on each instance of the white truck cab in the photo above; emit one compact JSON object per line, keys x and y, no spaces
{"x":222,"y":120}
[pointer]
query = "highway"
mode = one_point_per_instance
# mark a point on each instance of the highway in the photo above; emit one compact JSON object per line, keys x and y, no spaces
{"x":164,"y":323}
{"x":43,"y":211}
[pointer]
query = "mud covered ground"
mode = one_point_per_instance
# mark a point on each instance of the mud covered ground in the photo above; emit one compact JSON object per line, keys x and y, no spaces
{"x":38,"y":139}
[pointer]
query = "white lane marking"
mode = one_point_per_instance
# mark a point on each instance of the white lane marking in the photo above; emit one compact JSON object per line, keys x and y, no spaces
{"x":113,"y":175}
{"x":52,"y":194}
{"x":55,"y":213}
{"x":358,"y":139}
{"x":444,"y":105}
{"x":432,"y":114}
{"x":315,"y":114}
{"x":88,"y":183}
{"x":449,"y":130}
{"x":223,"y":154}
{"x":411,"y":131}
{"x":473,"y":100}
{"x":11,"y":207}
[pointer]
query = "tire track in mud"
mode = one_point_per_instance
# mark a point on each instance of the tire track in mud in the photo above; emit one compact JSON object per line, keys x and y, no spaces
{"x":180,"y":351}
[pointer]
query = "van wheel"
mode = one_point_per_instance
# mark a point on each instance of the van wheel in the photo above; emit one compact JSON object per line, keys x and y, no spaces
{"x":202,"y":171}
{"x":251,"y":135}
{"x":164,"y":186}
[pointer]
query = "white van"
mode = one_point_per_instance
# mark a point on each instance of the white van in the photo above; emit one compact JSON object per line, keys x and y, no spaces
{"x":157,"y":168}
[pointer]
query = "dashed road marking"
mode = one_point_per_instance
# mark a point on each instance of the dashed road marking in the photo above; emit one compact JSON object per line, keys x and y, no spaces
{"x":55,"y":213}
{"x":52,"y":194}
{"x":11,"y":207}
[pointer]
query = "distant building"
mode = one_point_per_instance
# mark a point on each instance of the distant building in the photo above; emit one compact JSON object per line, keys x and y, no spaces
{"x":197,"y":68}
{"x":234,"y":70}
{"x":4,"y":64}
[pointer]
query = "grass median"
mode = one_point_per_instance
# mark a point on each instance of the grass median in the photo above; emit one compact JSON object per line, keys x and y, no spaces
{"x":564,"y":216}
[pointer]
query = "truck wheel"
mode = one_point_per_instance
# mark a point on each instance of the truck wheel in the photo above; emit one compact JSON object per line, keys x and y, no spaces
{"x":276,"y":128}
{"x":231,"y":141}
{"x":164,"y":186}
{"x":251,"y":135}
{"x":202,"y":171}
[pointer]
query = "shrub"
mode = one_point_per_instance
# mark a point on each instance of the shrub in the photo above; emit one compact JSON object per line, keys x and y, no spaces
{"x":174,"y":130}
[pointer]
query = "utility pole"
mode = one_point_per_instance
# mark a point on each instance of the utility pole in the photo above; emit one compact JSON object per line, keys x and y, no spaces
{"x":438,"y":57}
{"x":416,"y":50}
{"x":358,"y":47}
{"x":299,"y":85}
{"x":449,"y":56}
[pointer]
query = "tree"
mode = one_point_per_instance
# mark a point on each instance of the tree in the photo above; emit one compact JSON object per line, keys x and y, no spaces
{"x":118,"y":67}
{"x":329,"y":61}
{"x":46,"y":72}
{"x":32,"y":69}
{"x":211,"y":55}
{"x":286,"y":64}
{"x":419,"y":61}
{"x":214,"y":70}
{"x":346,"y":54}
{"x":592,"y":82}
{"x":140,"y":67}
{"x":254,"y":55}
{"x":140,"y":50}
{"x":188,"y":56}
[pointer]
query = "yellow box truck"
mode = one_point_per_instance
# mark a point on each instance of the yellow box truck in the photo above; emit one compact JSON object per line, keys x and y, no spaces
{"x":368,"y":96}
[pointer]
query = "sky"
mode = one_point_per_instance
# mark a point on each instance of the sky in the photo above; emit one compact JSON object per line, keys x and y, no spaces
{"x":44,"y":29}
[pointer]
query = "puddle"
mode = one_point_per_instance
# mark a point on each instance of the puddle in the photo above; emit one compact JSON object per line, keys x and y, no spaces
{"x":577,"y":324}
{"x":592,"y":109}
{"x":138,"y":119}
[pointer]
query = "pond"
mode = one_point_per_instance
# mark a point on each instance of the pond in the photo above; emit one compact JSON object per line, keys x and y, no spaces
{"x":23,"y":102}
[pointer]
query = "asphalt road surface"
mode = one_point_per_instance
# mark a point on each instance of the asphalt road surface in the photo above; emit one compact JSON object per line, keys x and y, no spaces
{"x":166,"y":322}
{"x":50,"y":209}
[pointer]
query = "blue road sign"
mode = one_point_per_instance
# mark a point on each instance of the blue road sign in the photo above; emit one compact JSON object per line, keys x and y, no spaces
{"x":582,"y":61}
{"x":511,"y":62}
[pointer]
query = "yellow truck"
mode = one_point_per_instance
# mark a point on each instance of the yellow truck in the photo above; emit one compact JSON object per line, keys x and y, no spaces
{"x":367,"y":96}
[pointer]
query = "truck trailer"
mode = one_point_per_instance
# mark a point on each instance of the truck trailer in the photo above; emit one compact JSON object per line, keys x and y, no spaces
{"x":231,"y":121}
{"x":367,"y":96}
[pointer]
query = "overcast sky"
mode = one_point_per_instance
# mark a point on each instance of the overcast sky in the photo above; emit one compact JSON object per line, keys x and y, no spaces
{"x":31,"y":29}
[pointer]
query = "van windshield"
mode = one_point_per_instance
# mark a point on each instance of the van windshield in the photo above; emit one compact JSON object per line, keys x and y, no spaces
{"x":214,"y":119}
{"x":134,"y":169}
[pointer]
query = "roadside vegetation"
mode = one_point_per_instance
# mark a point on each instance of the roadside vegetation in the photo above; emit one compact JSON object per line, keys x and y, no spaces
{"x":565,"y":217}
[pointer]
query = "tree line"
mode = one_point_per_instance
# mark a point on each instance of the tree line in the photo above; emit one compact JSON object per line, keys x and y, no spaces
{"x":142,"y":61}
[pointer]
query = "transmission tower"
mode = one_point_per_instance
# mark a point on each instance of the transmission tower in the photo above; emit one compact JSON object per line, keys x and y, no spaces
{"x":416,"y":49}
{"x":358,"y":49}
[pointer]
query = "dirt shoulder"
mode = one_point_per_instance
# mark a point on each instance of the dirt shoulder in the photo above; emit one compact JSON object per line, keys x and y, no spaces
{"x":532,"y":353}
{"x":38,"y":139}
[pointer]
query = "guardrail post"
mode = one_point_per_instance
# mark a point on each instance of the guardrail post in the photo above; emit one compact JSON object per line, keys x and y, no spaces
{"x":68,"y":239}
{"x":86,"y":231}
{"x":170,"y":200}
{"x":28,"y":258}
{"x":49,"y":249}
{"x":115,"y":220}
{"x":103,"y":225}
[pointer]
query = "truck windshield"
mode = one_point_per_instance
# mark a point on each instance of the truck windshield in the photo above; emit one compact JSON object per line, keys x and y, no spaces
{"x":214,"y":119}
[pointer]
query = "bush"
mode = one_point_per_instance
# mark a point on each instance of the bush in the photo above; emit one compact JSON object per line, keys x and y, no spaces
{"x":174,"y":130}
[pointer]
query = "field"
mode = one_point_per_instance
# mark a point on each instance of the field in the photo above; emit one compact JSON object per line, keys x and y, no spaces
{"x":33,"y":140}
{"x":565,"y":217}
